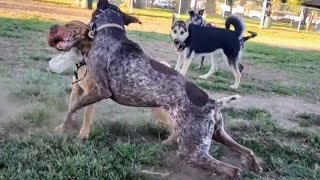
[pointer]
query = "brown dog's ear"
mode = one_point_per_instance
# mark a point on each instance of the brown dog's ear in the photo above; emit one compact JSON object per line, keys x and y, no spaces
{"x":127,"y":19}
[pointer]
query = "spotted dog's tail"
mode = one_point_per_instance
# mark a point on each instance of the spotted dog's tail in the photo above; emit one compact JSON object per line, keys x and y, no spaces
{"x":237,"y":23}
{"x":223,"y":101}
{"x":253,"y":34}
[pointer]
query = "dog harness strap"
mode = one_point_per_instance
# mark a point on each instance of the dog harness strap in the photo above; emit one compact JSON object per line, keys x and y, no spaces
{"x":109,"y":25}
{"x":75,"y":72}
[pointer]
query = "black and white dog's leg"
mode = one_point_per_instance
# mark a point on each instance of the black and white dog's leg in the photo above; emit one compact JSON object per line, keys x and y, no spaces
{"x":201,"y":63}
{"x":236,"y":73}
{"x":179,"y":62}
{"x":186,"y":64}
{"x":214,"y":65}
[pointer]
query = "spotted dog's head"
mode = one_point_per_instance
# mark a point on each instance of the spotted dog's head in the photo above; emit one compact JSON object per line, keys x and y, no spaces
{"x":179,"y":33}
{"x":110,"y":14}
{"x":196,"y":18}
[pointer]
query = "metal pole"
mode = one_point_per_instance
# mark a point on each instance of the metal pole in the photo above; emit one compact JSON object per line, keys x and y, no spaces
{"x":224,"y":7}
{"x":131,"y":6}
{"x":179,"y":11}
{"x":263,"y":13}
{"x":301,"y":16}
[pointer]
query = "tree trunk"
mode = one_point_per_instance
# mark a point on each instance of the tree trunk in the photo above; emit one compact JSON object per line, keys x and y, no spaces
{"x":211,"y":7}
{"x":86,"y":4}
{"x":77,"y":2}
{"x":185,"y":6}
{"x":152,"y":1}
{"x":137,"y":4}
{"x":195,"y":5}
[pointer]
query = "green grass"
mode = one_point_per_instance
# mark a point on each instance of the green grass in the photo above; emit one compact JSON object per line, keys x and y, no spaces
{"x":308,"y":120}
{"x":119,"y":149}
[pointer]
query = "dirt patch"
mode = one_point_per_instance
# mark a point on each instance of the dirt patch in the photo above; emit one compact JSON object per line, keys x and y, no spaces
{"x":283,"y":109}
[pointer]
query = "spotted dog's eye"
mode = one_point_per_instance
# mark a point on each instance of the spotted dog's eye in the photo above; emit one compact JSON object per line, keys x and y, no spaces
{"x":175,"y":31}
{"x":182,"y":32}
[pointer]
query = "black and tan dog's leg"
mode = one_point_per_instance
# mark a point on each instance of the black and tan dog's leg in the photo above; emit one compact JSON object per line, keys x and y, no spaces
{"x":247,"y":154}
{"x":76,"y":92}
{"x":164,"y":117}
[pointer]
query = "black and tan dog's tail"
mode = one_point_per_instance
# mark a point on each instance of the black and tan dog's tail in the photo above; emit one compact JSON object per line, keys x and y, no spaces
{"x":237,"y":23}
{"x":253,"y":34}
{"x":223,"y":101}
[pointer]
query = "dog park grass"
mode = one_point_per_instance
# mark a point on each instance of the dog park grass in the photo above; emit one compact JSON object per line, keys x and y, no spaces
{"x":125,"y":142}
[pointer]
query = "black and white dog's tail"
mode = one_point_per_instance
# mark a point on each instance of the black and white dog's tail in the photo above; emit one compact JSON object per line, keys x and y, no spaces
{"x":237,"y":23}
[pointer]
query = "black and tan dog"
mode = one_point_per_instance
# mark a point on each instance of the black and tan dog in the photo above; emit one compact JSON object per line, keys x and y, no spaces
{"x":124,"y":73}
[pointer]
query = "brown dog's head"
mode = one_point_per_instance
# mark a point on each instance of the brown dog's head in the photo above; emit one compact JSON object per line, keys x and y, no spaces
{"x":64,"y":37}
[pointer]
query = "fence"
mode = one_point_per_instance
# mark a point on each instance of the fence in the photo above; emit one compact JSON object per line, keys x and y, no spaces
{"x":298,"y":17}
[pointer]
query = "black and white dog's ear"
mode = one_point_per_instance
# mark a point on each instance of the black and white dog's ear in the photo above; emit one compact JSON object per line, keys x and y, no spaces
{"x":200,"y":12}
{"x":174,"y":20}
{"x":127,"y":19}
{"x":191,"y":13}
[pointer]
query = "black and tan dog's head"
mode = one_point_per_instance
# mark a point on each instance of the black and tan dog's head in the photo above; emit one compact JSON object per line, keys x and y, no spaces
{"x":197,"y":18}
{"x":179,"y":33}
{"x":64,"y":37}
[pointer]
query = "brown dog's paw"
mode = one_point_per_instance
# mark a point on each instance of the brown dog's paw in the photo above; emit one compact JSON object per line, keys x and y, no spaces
{"x":84,"y":134}
{"x":60,"y":130}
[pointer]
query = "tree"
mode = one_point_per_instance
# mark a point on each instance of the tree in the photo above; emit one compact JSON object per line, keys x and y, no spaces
{"x":230,"y":3}
{"x":275,"y":6}
{"x":185,"y":6}
{"x":211,"y":6}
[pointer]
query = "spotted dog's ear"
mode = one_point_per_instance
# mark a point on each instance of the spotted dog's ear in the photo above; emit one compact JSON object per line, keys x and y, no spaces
{"x":200,"y":12}
{"x":127,"y":19}
{"x":191,"y":13}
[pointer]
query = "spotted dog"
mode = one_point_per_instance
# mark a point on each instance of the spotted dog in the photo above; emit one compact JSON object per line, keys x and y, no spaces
{"x":124,"y":73}
{"x":83,"y":83}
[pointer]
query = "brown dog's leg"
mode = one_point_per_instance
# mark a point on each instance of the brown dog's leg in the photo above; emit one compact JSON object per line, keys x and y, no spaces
{"x":87,"y":121}
{"x":76,"y":92}
{"x":164,"y":117}
{"x":250,"y":160}
{"x":92,"y":97}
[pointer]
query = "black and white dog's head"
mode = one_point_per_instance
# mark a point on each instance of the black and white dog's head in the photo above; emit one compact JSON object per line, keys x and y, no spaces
{"x":179,"y":33}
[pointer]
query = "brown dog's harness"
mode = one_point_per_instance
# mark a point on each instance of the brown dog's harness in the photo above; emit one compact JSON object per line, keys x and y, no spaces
{"x":75,"y":72}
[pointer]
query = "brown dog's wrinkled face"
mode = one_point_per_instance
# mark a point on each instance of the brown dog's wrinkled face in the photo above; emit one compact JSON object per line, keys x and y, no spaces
{"x":179,"y":34}
{"x":64,"y":37}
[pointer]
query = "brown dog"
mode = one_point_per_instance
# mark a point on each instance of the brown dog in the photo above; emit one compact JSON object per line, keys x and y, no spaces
{"x":83,"y":82}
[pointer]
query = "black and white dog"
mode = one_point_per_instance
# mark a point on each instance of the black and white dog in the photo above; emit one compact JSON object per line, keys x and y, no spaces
{"x":194,"y":40}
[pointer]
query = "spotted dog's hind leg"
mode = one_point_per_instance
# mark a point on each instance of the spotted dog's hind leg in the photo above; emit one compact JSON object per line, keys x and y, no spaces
{"x":250,"y":160}
{"x":206,"y":162}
